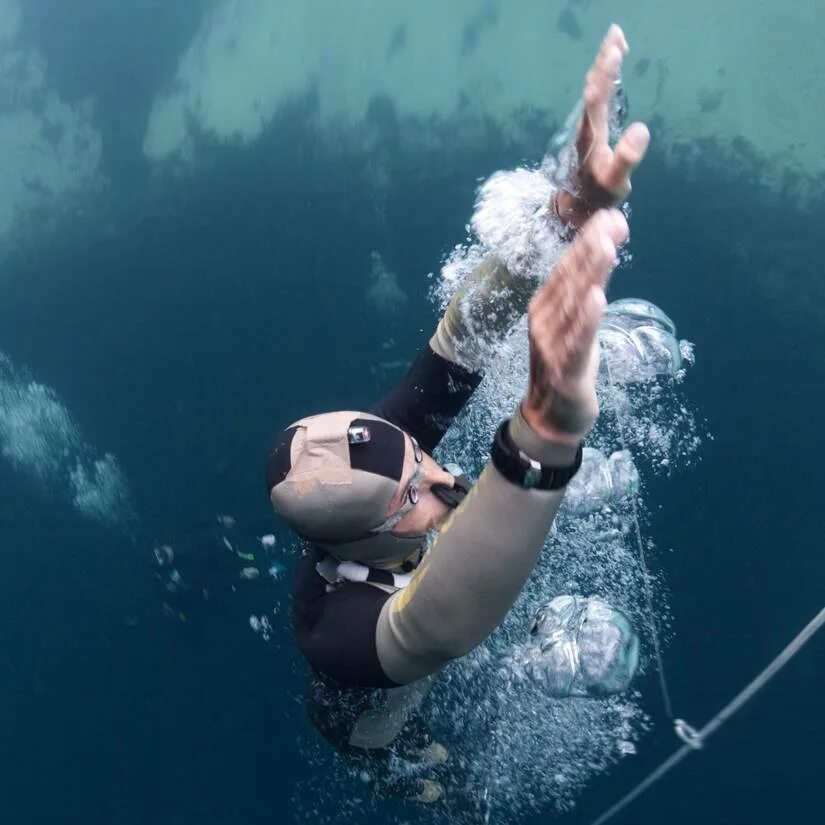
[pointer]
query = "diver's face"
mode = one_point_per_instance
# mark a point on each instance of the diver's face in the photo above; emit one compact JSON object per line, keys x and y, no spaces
{"x":430,"y":512}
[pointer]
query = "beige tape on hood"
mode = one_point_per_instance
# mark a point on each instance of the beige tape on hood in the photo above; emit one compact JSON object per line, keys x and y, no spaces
{"x":320,"y":452}
{"x":323,"y":498}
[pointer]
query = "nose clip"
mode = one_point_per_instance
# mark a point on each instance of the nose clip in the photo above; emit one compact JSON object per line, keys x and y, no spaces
{"x":453,"y":496}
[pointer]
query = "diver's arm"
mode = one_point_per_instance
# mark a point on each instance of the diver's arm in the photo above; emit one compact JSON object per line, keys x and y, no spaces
{"x":518,"y":226}
{"x":447,"y":371}
{"x":474,"y":571}
{"x":484,"y":554}
{"x":522,"y":219}
{"x":481,"y":313}
{"x":431,"y":395}
{"x":600,"y":176}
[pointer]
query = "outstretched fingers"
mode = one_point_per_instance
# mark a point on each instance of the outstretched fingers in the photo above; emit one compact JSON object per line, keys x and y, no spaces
{"x":599,"y":88}
{"x":588,"y":260}
{"x":592,"y":256}
{"x":598,"y":248}
{"x":567,"y":310}
{"x":628,"y":154}
{"x":581,"y":338}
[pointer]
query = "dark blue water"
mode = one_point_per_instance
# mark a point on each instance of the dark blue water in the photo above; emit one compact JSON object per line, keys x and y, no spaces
{"x":183,"y":322}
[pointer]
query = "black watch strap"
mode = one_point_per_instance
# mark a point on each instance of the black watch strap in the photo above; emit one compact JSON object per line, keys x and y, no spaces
{"x":526,"y":472}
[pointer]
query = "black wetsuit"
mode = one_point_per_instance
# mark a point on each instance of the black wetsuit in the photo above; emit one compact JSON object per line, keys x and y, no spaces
{"x":336,"y":630}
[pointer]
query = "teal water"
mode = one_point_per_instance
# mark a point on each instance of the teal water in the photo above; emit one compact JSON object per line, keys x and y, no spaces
{"x":174,"y":288}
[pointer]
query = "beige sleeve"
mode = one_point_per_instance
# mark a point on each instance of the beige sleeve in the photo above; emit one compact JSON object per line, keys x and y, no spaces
{"x":474,"y":571}
{"x":481,"y":314}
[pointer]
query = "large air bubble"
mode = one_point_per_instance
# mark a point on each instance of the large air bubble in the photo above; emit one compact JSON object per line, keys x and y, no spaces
{"x":639,"y":341}
{"x":600,"y":481}
{"x":579,"y":646}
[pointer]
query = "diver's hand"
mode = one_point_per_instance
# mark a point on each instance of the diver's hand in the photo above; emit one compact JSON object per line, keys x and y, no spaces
{"x":603,"y":177}
{"x":564,"y":318}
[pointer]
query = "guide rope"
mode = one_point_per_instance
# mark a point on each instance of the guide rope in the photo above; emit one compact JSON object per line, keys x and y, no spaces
{"x":651,"y":615}
{"x":694,"y":740}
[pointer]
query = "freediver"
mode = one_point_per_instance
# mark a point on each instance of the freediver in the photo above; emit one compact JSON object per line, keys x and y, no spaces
{"x":376,"y":613}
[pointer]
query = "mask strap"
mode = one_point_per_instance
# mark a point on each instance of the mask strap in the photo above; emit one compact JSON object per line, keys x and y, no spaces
{"x":411,"y":501}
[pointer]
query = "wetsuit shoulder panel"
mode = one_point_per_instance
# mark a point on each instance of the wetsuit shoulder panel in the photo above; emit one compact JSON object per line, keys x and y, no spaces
{"x":430,"y":396}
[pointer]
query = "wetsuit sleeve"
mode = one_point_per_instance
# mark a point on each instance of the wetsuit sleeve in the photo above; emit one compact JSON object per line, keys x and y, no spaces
{"x":431,"y":395}
{"x":521,"y":237}
{"x":481,"y":314}
{"x":518,"y":235}
{"x":474,"y":571}
{"x":446,"y":373}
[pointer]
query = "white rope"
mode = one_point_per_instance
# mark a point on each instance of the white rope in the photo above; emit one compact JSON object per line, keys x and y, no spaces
{"x":651,"y":616}
{"x":696,"y":739}
{"x":693,"y":740}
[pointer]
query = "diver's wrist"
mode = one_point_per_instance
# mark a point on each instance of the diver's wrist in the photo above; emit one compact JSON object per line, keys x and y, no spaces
{"x":541,"y":440}
{"x":522,"y":469}
{"x":570,"y":210}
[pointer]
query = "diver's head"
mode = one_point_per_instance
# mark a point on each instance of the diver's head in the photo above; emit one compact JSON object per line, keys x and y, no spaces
{"x":359,"y":487}
{"x":581,"y":646}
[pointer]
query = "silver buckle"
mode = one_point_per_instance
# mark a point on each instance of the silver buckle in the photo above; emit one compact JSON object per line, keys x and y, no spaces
{"x":532,"y":476}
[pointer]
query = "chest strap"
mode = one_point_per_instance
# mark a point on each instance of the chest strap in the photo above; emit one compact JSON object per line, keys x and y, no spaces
{"x":335,"y":571}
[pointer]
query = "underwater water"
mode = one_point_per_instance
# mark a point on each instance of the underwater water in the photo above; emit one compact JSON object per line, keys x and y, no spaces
{"x":216,"y":217}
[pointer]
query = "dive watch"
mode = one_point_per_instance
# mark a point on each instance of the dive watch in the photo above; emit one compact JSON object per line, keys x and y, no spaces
{"x":517,"y":467}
